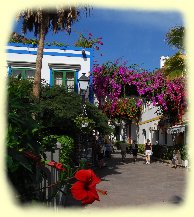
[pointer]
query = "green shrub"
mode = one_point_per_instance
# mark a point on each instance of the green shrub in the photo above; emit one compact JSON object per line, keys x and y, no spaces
{"x":163,"y":152}
{"x":67,"y":148}
{"x":141,"y":148}
{"x":117,"y":144}
{"x":166,"y":152}
{"x":159,"y":151}
{"x":183,"y":151}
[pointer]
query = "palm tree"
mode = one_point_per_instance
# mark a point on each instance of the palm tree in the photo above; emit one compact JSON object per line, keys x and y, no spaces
{"x":175,"y":66}
{"x":175,"y":38}
{"x":40,"y":21}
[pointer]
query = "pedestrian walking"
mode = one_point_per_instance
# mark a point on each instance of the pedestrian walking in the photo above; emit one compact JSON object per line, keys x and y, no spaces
{"x":176,"y":159}
{"x":148,"y":151}
{"x":112,"y":146}
{"x":108,"y":149}
{"x":100,"y":154}
{"x":134,"y":148}
{"x":123,"y":146}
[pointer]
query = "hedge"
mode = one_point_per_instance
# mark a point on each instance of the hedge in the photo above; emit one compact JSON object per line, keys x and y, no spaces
{"x":165,"y":152}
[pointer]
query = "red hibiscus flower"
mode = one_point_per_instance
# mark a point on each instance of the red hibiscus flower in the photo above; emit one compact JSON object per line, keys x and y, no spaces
{"x":30,"y":154}
{"x":59,"y":166}
{"x":85,"y":188}
{"x":51,"y":163}
{"x":56,"y":165}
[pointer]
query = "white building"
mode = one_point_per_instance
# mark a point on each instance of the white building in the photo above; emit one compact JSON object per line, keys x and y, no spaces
{"x":162,"y":60}
{"x":147,"y":127}
{"x":64,"y":65}
{"x":60,"y":65}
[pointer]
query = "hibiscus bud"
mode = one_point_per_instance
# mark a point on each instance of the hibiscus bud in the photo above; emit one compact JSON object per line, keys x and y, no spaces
{"x":51,"y":163}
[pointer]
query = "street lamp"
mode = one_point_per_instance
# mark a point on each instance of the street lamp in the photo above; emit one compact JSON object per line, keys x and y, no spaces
{"x":83,"y":83}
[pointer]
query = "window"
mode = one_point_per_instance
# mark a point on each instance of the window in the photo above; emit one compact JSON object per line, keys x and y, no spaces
{"x":157,"y":135}
{"x":144,"y":135}
{"x":64,"y":78}
{"x":24,"y":69}
{"x":65,"y":75}
{"x":26,"y":73}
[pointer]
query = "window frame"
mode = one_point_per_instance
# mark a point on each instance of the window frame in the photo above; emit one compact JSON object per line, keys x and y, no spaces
{"x":23,"y":71}
{"x":64,"y":77}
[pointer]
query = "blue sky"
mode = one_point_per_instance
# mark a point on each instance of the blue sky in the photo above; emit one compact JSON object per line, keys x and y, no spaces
{"x":136,"y":36}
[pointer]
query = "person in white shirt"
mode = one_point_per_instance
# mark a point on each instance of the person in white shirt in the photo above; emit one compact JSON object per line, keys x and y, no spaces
{"x":148,"y":151}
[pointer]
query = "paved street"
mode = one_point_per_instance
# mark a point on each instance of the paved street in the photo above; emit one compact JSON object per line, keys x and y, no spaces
{"x":130,"y":184}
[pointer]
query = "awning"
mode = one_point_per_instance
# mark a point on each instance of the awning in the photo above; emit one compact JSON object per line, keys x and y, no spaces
{"x":176,"y":129}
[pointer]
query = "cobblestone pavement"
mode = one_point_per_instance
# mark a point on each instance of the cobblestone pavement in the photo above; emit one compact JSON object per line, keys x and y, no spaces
{"x":130,"y":184}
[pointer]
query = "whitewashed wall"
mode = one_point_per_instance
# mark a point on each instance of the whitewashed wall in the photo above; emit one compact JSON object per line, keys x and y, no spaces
{"x":162,"y":61}
{"x":84,"y":62}
{"x":148,"y":123}
{"x":149,"y":111}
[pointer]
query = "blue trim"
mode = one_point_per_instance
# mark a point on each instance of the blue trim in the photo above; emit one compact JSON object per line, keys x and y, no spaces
{"x":76,"y":81}
{"x":9,"y":70}
{"x":51,"y":77}
{"x":91,"y":92}
{"x":46,"y":53}
{"x":50,"y":47}
{"x":91,"y":59}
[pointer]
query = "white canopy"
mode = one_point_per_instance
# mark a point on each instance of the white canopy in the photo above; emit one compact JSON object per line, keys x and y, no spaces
{"x":176,"y":129}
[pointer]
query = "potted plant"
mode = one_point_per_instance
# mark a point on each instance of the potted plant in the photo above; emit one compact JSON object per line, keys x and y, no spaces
{"x":184,"y":155}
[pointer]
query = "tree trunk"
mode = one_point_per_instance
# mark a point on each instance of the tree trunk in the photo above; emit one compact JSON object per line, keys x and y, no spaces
{"x":37,"y":76}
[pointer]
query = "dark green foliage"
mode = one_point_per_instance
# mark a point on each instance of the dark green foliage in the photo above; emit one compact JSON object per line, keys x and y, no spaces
{"x":163,"y":152}
{"x":175,"y":37}
{"x":183,"y":151}
{"x":21,"y":125}
{"x":37,"y":126}
{"x":100,"y":119}
{"x":17,"y":38}
{"x":24,"y":135}
{"x":166,"y":152}
{"x":117,"y":144}
{"x":141,"y":148}
{"x":175,"y":66}
{"x":58,"y":110}
{"x":67,"y":148}
{"x":25,"y":131}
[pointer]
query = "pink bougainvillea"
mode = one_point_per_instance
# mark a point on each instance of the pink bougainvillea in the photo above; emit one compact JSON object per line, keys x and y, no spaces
{"x":112,"y":81}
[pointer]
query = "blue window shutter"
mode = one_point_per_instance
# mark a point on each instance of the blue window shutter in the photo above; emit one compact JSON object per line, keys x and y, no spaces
{"x":9,"y":71}
{"x":51,"y":77}
{"x":76,"y":81}
{"x":91,"y":92}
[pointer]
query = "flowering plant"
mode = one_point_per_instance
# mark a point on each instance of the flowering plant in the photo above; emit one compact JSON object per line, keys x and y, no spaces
{"x":111,"y":79}
{"x":124,"y":108}
{"x":83,"y":189}
{"x":89,"y":42}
